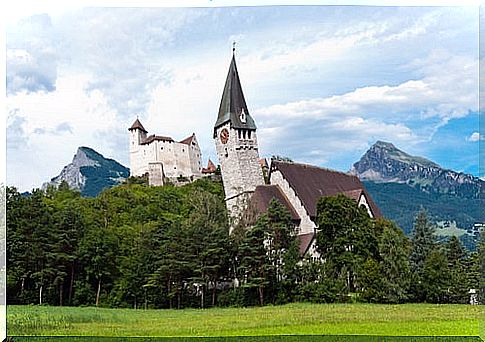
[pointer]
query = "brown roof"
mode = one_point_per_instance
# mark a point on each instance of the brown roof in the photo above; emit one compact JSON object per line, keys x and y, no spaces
{"x":263,"y":194}
{"x":188,"y":141}
{"x":310,"y":183}
{"x":137,"y":125}
{"x":211,"y":168}
{"x":154,"y":137}
{"x":305,"y":242}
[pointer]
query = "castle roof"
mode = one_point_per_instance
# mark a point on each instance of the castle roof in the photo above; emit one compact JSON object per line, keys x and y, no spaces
{"x":211,"y":168}
{"x":233,"y":102}
{"x":154,"y":137}
{"x":310,"y":183}
{"x":263,"y":194}
{"x":188,"y":140}
{"x":137,"y":125}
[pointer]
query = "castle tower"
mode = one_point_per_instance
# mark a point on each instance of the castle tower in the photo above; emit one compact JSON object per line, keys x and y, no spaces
{"x":237,"y":146}
{"x":137,"y":135}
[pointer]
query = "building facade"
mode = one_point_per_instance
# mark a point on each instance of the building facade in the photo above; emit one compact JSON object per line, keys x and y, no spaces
{"x":237,"y":146}
{"x":162,"y":158}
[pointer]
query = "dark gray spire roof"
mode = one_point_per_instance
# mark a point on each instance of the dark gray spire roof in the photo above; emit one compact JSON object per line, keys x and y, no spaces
{"x":233,"y":102}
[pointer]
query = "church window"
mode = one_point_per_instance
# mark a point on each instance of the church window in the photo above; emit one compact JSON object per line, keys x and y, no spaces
{"x":244,"y":134}
{"x":249,"y":134}
{"x":227,"y":154}
{"x":239,"y":133}
{"x":183,"y":150}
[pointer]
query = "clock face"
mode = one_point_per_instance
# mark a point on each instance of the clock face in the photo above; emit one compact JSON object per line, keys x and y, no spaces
{"x":224,"y":136}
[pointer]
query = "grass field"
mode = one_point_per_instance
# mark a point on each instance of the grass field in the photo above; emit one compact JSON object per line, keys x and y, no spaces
{"x":293,"y":319}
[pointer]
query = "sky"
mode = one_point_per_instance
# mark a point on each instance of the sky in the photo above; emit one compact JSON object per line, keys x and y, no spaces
{"x":323,"y":83}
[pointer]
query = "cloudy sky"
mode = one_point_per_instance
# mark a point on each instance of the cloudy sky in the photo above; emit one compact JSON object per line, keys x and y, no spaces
{"x":323,"y":83}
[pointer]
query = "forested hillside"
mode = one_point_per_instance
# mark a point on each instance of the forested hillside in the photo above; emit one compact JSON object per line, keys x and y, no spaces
{"x":168,"y":247}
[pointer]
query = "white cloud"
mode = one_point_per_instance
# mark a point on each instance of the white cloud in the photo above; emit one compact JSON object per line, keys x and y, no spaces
{"x":44,"y":130}
{"x":475,"y":136}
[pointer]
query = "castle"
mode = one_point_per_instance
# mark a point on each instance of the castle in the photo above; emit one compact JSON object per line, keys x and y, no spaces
{"x":162,"y":158}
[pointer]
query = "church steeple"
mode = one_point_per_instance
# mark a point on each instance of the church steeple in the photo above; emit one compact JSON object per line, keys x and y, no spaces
{"x":233,"y":106}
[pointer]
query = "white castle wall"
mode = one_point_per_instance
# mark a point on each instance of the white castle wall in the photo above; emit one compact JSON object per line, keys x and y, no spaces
{"x":177,"y":159}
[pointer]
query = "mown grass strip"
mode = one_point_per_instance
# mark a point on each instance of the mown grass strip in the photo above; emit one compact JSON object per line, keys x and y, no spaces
{"x":292,"y":319}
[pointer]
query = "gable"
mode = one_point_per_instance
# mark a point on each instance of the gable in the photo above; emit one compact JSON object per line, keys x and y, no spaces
{"x":310,"y":183}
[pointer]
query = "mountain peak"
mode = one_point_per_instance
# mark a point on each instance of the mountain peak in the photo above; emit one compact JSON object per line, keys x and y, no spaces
{"x":384,"y":144}
{"x":385,"y":163}
{"x":90,"y":172}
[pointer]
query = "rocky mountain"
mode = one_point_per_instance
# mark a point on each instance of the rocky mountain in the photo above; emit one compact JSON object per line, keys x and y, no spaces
{"x":90,"y":172}
{"x":385,"y":163}
{"x":402,"y":184}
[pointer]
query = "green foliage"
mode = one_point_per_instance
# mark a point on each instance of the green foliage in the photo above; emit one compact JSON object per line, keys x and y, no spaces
{"x":135,"y":246}
{"x":394,"y":269}
{"x":345,"y":238}
{"x":400,"y":202}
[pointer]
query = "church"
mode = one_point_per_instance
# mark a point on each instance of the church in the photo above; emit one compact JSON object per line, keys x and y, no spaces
{"x":297,"y":186}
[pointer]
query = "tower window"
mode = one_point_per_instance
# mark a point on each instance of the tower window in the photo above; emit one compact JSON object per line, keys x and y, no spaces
{"x":227,"y":154}
{"x":244,"y":134}
{"x":249,"y":134}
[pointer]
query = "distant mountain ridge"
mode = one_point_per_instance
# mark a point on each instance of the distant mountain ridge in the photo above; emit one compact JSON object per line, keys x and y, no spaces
{"x":402,"y":184}
{"x":90,"y":172}
{"x":385,"y":163}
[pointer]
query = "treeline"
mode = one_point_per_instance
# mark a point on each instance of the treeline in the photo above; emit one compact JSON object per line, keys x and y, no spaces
{"x":169,"y":247}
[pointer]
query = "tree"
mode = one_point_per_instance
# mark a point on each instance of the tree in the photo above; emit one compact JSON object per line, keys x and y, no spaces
{"x":345,"y":238}
{"x":394,"y":250}
{"x":436,"y":277}
{"x":423,"y":242}
{"x":457,"y":264}
{"x":255,"y":265}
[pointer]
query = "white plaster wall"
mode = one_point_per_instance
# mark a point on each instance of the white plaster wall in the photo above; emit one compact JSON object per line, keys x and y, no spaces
{"x":363,"y":201}
{"x":306,"y":224}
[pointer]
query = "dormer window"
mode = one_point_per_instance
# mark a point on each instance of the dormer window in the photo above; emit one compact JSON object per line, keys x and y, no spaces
{"x":242,"y":116}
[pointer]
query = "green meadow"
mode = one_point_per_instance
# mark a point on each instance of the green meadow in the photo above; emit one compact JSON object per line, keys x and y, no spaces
{"x":292,"y":319}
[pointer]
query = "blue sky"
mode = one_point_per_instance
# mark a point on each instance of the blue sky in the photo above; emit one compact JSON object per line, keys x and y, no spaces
{"x":323,"y":83}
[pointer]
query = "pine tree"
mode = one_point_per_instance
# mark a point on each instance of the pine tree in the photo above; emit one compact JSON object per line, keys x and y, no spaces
{"x":423,"y":242}
{"x":394,"y":249}
{"x":459,"y":286}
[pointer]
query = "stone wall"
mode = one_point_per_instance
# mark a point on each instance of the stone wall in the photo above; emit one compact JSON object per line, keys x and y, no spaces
{"x":240,"y":168}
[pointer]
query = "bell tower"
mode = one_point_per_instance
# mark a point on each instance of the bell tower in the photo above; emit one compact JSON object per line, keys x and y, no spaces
{"x":237,"y":146}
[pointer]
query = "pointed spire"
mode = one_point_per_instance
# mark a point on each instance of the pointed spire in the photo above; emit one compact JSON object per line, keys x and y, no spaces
{"x":137,"y":125}
{"x":233,"y":106}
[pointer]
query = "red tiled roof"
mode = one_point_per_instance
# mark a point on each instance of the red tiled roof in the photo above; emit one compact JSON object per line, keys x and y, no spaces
{"x":305,"y":242}
{"x":262,"y":196}
{"x":154,"y":137}
{"x":137,"y":125}
{"x":188,"y":141}
{"x":310,"y":183}
{"x":211,"y":168}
